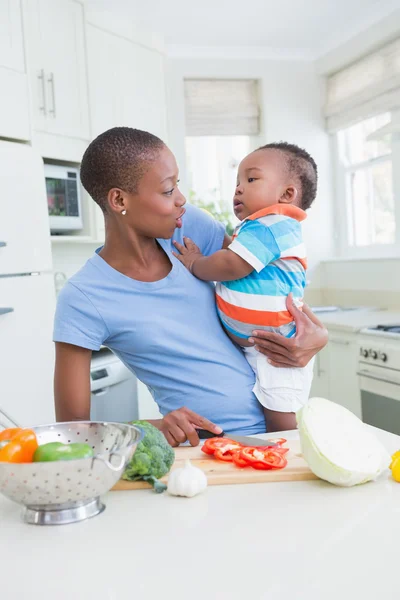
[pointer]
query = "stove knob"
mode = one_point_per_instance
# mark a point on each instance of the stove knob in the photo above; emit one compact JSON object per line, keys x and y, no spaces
{"x":373,"y":354}
{"x":364,"y":353}
{"x":383,"y":357}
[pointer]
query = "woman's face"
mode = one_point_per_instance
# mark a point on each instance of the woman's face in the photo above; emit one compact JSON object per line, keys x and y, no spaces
{"x":156,"y":209}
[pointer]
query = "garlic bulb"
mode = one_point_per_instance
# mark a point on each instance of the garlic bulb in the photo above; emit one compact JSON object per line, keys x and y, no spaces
{"x":187,"y":481}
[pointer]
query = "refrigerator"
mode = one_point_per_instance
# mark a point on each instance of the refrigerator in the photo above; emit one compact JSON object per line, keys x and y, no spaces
{"x":27,"y":297}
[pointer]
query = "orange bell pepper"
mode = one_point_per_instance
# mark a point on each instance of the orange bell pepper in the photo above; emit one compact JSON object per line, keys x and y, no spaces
{"x":20,"y":448}
{"x":7,"y":434}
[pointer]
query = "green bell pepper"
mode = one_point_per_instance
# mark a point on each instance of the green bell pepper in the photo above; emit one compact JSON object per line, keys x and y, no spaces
{"x":58,"y":451}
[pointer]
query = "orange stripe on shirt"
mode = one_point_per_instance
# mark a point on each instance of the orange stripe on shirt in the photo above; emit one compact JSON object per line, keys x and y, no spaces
{"x":288,"y":210}
{"x":302,"y":261}
{"x":255,"y":317}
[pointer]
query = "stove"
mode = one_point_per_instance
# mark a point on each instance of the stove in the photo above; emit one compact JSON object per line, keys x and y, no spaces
{"x":379,"y":376}
{"x":381,"y":346}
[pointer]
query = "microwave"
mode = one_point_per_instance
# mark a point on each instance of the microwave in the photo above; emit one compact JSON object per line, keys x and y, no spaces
{"x":63,"y":198}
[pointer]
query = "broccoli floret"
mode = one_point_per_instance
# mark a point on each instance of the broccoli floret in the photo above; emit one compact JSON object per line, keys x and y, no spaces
{"x":153,"y":457}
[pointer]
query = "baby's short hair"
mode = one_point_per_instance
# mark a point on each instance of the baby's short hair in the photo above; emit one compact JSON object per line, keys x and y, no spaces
{"x":117,"y":158}
{"x":302,"y":166}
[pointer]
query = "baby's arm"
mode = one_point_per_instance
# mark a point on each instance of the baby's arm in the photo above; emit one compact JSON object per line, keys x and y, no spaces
{"x":223,"y":265}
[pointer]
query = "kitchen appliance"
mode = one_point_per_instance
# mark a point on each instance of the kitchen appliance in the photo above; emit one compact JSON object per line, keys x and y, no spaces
{"x":379,"y":376}
{"x":61,"y":492}
{"x":114,"y":390}
{"x":63,"y":198}
{"x":226,"y":473}
{"x":27,"y":299}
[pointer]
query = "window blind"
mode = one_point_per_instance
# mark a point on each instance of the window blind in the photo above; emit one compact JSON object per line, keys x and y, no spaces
{"x":367,"y":87}
{"x":221,"y":107}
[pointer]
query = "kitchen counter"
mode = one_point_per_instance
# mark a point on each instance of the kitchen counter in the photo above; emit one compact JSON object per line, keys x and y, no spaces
{"x":352,"y":321}
{"x":293,"y":541}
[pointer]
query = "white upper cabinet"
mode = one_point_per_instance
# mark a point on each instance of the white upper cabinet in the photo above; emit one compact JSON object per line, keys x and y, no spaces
{"x":126,"y":88}
{"x":14,"y":103}
{"x":11,"y":40}
{"x":55,"y":48}
{"x":126,"y":84}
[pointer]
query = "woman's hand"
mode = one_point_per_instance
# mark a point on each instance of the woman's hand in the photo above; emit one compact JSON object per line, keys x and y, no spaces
{"x":311,"y":337}
{"x":181,"y":425}
{"x":189,"y":253}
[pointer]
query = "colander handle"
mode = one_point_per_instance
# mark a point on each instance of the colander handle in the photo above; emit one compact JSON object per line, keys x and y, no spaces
{"x":109,"y":465}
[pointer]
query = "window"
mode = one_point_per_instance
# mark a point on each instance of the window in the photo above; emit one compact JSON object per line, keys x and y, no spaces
{"x":366,"y":179}
{"x":212,"y":163}
{"x":222,"y":125}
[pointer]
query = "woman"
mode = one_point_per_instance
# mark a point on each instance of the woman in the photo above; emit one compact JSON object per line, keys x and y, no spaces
{"x":136,"y":298}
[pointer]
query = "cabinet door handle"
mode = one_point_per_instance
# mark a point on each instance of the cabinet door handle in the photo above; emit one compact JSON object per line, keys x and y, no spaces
{"x":42,"y":108}
{"x":52,"y":110}
{"x":3,"y":244}
{"x":6,"y":310}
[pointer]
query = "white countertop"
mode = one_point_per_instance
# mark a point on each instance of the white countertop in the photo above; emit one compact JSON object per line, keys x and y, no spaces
{"x":352,"y":321}
{"x":293,"y":541}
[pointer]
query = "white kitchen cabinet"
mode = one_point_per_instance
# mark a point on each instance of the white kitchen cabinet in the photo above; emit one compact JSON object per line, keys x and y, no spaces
{"x":14,"y":102}
{"x":147,"y":406}
{"x":24,"y":224}
{"x":343,"y":367}
{"x":126,"y":84}
{"x":11,"y":40}
{"x":335,"y":372}
{"x":321,"y":384}
{"x":26,"y":348}
{"x":56,"y":58}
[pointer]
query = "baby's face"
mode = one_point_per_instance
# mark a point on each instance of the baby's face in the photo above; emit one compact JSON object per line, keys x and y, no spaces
{"x":261,"y":182}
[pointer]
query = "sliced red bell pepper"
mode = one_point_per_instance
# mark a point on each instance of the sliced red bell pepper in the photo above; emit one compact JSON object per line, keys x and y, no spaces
{"x":238,"y":460}
{"x":267,"y":459}
{"x":279,"y":441}
{"x":278,"y":449}
{"x":227,"y":453}
{"x":212,"y":444}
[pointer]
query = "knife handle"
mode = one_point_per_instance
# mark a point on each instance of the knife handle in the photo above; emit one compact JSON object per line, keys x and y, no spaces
{"x":205,"y":435}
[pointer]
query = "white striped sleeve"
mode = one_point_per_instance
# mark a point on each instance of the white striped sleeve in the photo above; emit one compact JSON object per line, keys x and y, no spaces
{"x":244,"y":253}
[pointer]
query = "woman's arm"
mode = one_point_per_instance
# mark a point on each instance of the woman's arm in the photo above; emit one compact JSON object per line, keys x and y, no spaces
{"x":311,"y":336}
{"x":72,"y":383}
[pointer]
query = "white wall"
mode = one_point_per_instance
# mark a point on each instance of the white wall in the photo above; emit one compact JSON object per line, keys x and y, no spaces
{"x":292,"y":96}
{"x":368,"y":282}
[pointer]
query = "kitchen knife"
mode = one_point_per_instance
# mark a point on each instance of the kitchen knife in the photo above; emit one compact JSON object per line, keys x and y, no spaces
{"x":251,"y":441}
{"x":246,"y":441}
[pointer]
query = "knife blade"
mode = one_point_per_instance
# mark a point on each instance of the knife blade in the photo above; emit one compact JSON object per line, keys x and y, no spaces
{"x":251,"y":441}
{"x":246,"y":441}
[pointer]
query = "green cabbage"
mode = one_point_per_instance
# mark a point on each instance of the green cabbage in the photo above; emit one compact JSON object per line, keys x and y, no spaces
{"x":337,"y":445}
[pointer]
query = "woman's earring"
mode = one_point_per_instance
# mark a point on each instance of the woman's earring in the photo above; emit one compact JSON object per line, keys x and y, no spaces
{"x":123,"y":212}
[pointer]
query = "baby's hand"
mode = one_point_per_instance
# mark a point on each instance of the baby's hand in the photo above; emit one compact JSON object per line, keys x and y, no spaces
{"x":189,"y":253}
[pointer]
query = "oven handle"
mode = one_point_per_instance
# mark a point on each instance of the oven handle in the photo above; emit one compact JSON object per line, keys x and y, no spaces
{"x":376,"y":378}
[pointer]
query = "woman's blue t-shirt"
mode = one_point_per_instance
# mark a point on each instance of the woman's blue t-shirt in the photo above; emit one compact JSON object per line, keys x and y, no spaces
{"x":167,"y":332}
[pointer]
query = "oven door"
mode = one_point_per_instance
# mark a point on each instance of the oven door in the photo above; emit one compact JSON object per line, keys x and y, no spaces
{"x":380,"y":397}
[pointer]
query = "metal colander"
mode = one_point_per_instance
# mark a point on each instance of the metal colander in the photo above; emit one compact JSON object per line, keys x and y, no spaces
{"x":67,"y":491}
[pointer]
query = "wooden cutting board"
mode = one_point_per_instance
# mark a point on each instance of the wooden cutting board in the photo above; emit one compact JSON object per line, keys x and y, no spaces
{"x":225,"y":473}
